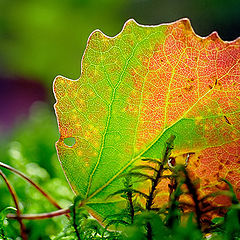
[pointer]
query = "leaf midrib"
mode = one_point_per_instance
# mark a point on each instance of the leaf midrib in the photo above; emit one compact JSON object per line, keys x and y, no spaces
{"x":156,"y":139}
{"x":109,"y":113}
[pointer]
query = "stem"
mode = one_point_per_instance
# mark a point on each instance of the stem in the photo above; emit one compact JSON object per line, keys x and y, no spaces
{"x":74,"y":223}
{"x":174,"y":207}
{"x":151,"y":194}
{"x":149,"y":231}
{"x":129,"y":196}
{"x":41,"y":215}
{"x":15,"y":199}
{"x":172,"y":188}
{"x":194,"y":194}
{"x":157,"y":178}
{"x":48,"y":197}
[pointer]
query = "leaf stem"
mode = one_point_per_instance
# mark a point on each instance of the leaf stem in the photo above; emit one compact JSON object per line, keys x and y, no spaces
{"x":47,"y":196}
{"x":15,"y":200}
{"x":60,"y":212}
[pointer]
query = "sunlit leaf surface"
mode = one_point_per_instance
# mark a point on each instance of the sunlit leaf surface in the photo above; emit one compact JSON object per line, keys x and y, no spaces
{"x":138,"y":88}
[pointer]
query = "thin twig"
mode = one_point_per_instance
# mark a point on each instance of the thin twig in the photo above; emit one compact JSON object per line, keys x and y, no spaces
{"x":60,"y":212}
{"x":75,"y":223}
{"x":15,"y":199}
{"x":158,"y":174}
{"x":131,"y":207}
{"x":156,"y":179}
{"x":149,"y":231}
{"x":48,"y":197}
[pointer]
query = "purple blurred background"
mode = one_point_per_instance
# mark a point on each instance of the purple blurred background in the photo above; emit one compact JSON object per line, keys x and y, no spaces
{"x":41,"y":39}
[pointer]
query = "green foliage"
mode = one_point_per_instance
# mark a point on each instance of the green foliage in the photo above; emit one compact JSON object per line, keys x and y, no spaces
{"x":30,"y":149}
{"x":167,"y":222}
{"x":177,"y":220}
{"x":228,"y":227}
{"x":4,"y":222}
{"x":82,"y":226}
{"x":173,"y":223}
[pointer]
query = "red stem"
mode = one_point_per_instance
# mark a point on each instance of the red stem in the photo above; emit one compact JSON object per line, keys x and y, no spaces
{"x":15,"y":199}
{"x":41,"y":215}
{"x":48,"y":197}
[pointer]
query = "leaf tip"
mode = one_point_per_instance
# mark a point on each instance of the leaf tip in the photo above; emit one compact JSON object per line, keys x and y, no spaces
{"x":58,"y":80}
{"x":55,"y":81}
{"x":131,"y":21}
{"x":214,"y":36}
{"x":183,"y":23}
{"x":186,"y":22}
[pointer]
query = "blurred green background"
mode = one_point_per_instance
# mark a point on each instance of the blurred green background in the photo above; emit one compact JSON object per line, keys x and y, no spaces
{"x":40,"y":39}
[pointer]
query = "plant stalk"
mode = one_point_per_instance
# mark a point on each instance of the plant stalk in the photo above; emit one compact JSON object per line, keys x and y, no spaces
{"x":131,"y":208}
{"x":75,"y":223}
{"x":156,"y":181}
{"x":193,"y":192}
{"x":15,"y":200}
{"x":47,"y":196}
{"x":41,"y":215}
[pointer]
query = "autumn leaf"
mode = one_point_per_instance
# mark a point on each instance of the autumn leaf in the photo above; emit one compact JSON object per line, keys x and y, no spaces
{"x":135,"y":90}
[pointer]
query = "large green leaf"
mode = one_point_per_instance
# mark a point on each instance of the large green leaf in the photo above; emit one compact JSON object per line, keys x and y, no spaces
{"x":138,"y":88}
